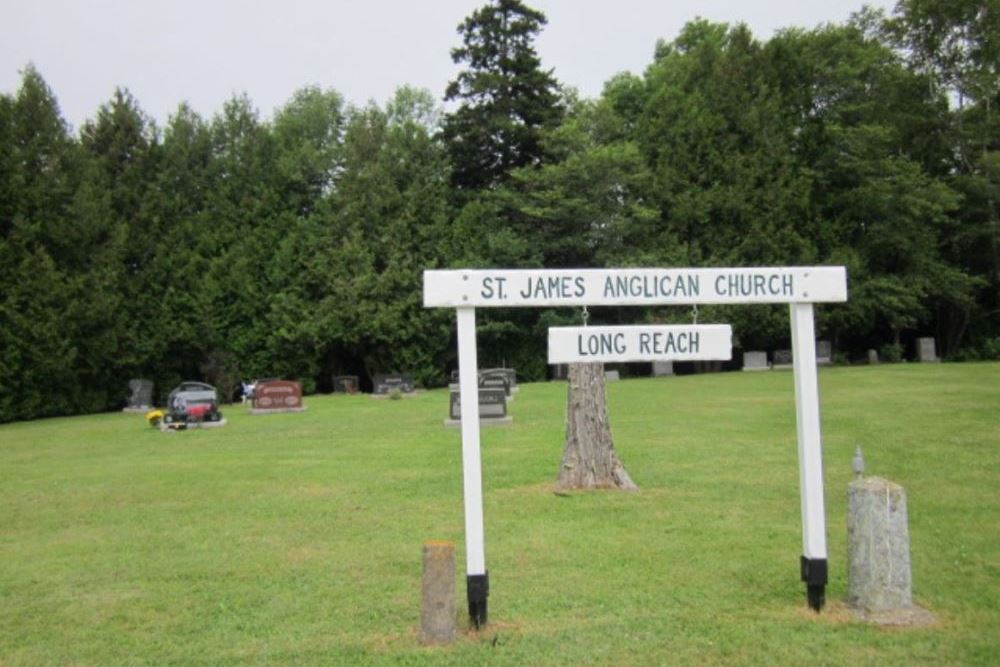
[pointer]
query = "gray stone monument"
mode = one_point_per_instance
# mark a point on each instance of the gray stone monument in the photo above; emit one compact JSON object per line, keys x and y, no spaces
{"x":926,"y":350}
{"x":755,"y":361}
{"x":560,"y":371}
{"x":437,"y":593}
{"x":663,"y":368}
{"x":612,"y":376}
{"x":824,"y":353}
{"x":872,"y":356}
{"x":140,"y":396}
{"x":879,"y":587}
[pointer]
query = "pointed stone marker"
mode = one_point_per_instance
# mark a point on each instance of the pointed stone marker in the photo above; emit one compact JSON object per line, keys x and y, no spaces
{"x":879,"y":587}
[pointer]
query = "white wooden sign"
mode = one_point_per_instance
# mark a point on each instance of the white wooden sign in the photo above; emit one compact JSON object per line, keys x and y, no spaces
{"x":633,"y":287}
{"x":800,"y":287}
{"x":683,"y":342}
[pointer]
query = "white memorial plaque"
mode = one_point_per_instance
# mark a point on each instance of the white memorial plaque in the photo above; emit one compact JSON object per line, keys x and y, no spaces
{"x":610,"y":344}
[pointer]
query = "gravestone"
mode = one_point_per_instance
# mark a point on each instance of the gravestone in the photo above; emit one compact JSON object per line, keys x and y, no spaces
{"x":612,"y":376}
{"x":140,"y":395}
{"x":755,"y":361}
{"x":345,"y":384}
{"x":824,"y":353}
{"x":277,"y":396}
{"x":879,"y":585}
{"x":663,"y":368}
{"x":384,"y":384}
{"x":189,"y":386}
{"x":559,"y":371}
{"x":707,"y":366}
{"x":926,"y":351}
{"x":493,"y":380}
{"x":872,"y":356}
{"x":507,"y":373}
{"x":782,"y":359}
{"x":492,"y":407}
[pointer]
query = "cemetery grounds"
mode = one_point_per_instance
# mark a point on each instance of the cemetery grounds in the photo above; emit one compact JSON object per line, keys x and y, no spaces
{"x":296,"y":538}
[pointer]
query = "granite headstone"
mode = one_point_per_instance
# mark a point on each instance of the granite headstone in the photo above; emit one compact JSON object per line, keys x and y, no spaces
{"x":492,"y":407}
{"x":345,"y":384}
{"x":755,"y":361}
{"x":926,"y":350}
{"x":140,"y":395}
{"x":824,"y":353}
{"x":277,"y":396}
{"x":383,"y":384}
{"x":663,"y":368}
{"x":782,"y":359}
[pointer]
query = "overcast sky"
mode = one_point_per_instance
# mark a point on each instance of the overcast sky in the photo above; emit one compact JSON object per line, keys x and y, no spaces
{"x":204,"y":51}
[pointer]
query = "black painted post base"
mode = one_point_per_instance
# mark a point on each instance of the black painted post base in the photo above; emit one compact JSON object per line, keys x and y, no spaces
{"x":814,"y":575}
{"x":478,"y":587}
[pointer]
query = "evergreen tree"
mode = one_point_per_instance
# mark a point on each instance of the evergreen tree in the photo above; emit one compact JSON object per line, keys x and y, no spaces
{"x":505,"y":98}
{"x":38,"y":333}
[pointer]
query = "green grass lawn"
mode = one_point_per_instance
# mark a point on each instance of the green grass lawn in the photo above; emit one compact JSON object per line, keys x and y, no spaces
{"x":296,"y":539}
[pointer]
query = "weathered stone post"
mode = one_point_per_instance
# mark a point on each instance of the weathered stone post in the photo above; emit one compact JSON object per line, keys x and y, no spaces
{"x":879,"y":586}
{"x":437,"y":612}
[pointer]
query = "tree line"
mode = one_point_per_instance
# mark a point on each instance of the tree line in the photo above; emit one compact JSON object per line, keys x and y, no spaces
{"x":237,"y":246}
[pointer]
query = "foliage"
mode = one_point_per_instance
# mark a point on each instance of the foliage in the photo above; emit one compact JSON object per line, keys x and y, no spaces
{"x":506,"y":99}
{"x":294,"y":245}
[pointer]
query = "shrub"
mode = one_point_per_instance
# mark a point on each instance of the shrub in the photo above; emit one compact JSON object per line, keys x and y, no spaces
{"x":891,"y":353}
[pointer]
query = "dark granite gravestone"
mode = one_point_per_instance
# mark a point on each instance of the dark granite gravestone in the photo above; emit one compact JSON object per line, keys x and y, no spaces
{"x":277,"y":396}
{"x":782,"y":359}
{"x":345,"y":384}
{"x":505,"y":372}
{"x":454,"y":377}
{"x":492,"y":380}
{"x":384,"y":384}
{"x":824,"y":353}
{"x":198,"y":389}
{"x":707,"y":366}
{"x":140,"y":395}
{"x":492,"y":407}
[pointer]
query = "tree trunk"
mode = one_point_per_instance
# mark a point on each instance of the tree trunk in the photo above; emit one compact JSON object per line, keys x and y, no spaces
{"x":589,"y":460}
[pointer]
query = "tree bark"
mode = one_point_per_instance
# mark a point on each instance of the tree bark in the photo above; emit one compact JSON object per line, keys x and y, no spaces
{"x":589,"y":460}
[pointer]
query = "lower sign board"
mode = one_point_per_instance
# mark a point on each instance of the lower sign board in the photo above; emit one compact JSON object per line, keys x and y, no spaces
{"x":673,"y":342}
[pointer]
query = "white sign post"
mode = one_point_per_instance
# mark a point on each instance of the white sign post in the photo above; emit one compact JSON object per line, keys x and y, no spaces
{"x":467,"y":289}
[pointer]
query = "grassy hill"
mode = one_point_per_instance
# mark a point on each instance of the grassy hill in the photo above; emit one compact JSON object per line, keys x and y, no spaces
{"x":296,"y":539}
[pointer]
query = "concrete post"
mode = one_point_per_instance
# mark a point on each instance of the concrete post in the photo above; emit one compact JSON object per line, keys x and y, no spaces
{"x":437,"y":611}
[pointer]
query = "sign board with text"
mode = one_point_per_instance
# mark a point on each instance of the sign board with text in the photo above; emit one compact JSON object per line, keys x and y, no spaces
{"x":632,"y":287}
{"x":612,"y":344}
